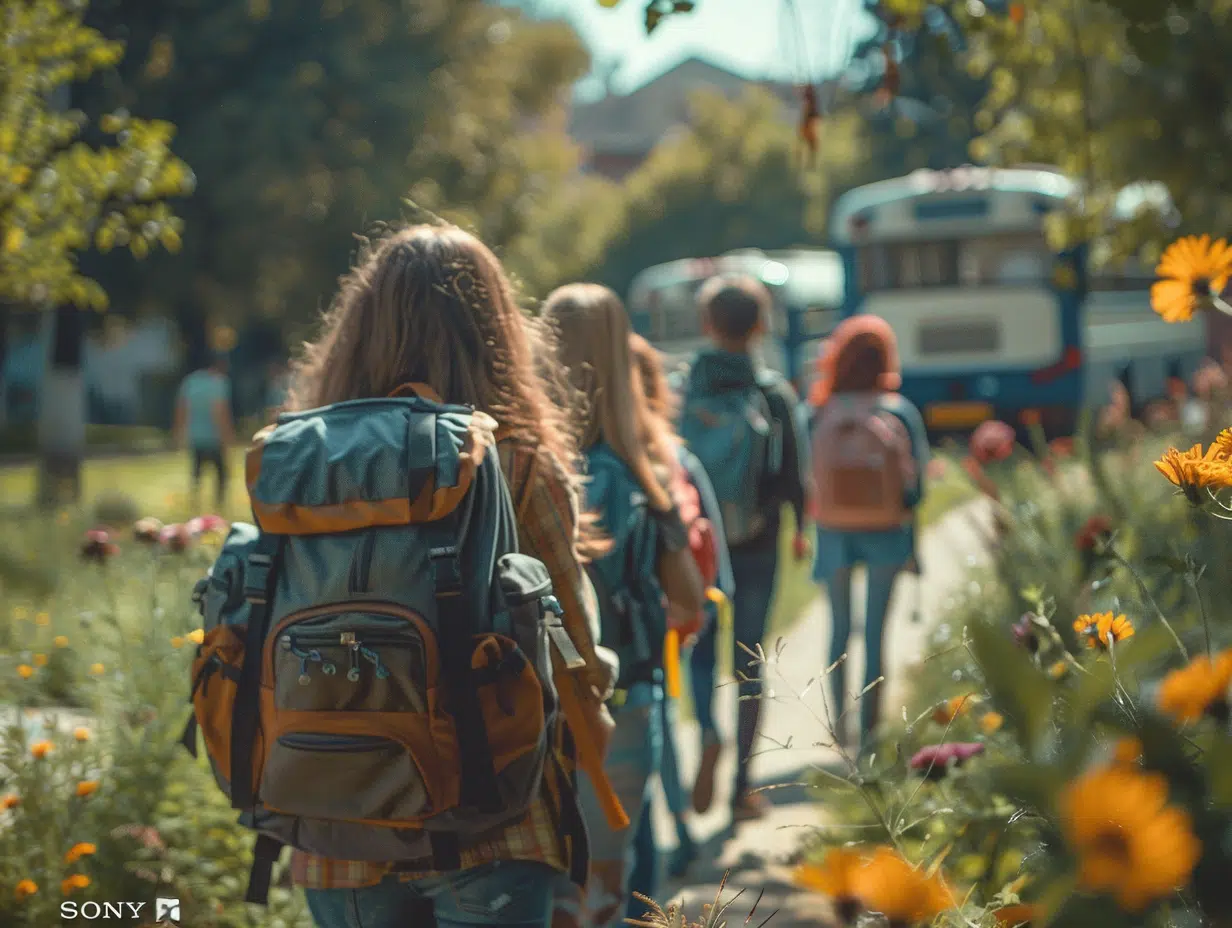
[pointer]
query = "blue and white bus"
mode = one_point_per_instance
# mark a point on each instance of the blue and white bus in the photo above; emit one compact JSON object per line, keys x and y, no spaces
{"x":991,"y":323}
{"x":806,"y":283}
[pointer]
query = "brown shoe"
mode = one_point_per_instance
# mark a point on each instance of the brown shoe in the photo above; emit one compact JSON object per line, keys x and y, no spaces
{"x":703,"y":786}
{"x":749,"y":807}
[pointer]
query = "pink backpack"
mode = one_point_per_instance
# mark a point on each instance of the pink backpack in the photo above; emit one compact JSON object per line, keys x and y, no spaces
{"x":862,"y":464}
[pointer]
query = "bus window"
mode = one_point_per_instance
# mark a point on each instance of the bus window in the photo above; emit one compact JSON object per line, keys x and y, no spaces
{"x":876,"y":269}
{"x":1005,"y":260}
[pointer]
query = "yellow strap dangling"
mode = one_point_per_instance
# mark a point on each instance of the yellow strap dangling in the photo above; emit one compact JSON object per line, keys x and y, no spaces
{"x":723,"y":606}
{"x":671,"y":662}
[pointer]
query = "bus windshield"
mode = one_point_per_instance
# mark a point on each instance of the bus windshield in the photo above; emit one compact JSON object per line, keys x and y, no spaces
{"x":997,"y":260}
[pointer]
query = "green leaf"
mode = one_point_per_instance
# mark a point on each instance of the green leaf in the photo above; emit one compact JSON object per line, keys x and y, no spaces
{"x":1019,"y":688}
{"x":1170,"y":562}
{"x":1032,"y":785}
{"x":1218,"y":763}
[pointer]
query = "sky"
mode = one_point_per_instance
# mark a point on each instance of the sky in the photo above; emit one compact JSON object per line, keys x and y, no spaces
{"x":758,"y":38}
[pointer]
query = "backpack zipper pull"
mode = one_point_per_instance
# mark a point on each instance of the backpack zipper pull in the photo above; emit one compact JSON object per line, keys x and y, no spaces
{"x":348,"y":640}
{"x":375,"y":660}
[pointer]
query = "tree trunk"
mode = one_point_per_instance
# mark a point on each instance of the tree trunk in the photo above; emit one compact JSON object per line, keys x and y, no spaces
{"x":62,"y":409}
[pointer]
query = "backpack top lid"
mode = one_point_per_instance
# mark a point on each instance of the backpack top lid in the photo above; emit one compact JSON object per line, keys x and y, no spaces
{"x":399,"y":460}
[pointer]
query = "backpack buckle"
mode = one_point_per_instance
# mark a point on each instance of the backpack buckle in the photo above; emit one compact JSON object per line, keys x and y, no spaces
{"x":256,"y":578}
{"x":446,"y":571}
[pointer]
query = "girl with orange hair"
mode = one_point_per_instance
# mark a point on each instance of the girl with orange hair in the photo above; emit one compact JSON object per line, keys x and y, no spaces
{"x":870,"y":454}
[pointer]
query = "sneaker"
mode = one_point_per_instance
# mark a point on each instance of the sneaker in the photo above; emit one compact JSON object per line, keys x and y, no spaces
{"x":749,"y":807}
{"x":703,"y":786}
{"x":682,"y":858}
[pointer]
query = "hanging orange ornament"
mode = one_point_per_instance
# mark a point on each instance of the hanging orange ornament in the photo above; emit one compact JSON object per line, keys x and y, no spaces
{"x":810,"y":119}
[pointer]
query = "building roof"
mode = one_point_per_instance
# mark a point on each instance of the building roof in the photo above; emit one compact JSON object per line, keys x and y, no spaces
{"x":635,"y":122}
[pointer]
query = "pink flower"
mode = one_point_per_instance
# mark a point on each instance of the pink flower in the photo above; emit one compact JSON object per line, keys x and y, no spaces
{"x":1209,"y":379}
{"x":992,"y":441}
{"x":203,"y":525}
{"x":937,"y":759}
{"x":97,"y":546}
{"x":147,"y":530}
{"x":175,"y":538}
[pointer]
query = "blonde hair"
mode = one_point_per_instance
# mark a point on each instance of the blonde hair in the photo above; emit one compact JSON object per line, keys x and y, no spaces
{"x":432,"y":305}
{"x":593,"y":336}
{"x":660,"y":436}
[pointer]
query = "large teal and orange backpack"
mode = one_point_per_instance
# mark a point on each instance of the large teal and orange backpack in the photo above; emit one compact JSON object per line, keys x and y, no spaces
{"x":376,"y":679}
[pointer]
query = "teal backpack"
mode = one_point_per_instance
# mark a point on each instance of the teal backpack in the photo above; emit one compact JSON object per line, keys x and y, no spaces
{"x":375,"y":681}
{"x":735,"y":435}
{"x":632,"y":616}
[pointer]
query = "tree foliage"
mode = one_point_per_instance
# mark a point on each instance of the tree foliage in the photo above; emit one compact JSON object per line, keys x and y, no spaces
{"x":309,"y":122}
{"x":736,"y":176}
{"x":60,"y":194}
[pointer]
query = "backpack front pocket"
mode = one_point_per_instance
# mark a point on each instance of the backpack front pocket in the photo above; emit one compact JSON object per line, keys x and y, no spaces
{"x":351,"y":658}
{"x":215,"y":676}
{"x":360,"y":778}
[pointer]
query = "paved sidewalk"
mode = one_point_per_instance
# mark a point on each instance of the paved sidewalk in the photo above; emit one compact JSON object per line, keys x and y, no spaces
{"x":756,"y":856}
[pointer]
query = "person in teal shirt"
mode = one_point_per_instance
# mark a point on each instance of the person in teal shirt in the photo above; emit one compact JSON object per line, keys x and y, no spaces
{"x":203,"y":423}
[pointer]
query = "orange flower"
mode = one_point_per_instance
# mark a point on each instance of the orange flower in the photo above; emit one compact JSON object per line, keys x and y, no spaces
{"x":1129,"y":841}
{"x":951,"y":709}
{"x":11,"y":801}
{"x":1196,"y":470}
{"x":1127,"y":752}
{"x":76,"y":881}
{"x":1199,"y":688}
{"x":835,"y":877}
{"x":196,"y":636}
{"x":86,"y":788}
{"x":26,"y":888}
{"x":40,"y":749}
{"x":1193,"y":272}
{"x":40,"y":660}
{"x":890,"y":885}
{"x":1103,"y":630}
{"x":81,"y":734}
{"x":992,"y":722}
{"x":25,"y":671}
{"x":60,"y":641}
{"x":78,"y":851}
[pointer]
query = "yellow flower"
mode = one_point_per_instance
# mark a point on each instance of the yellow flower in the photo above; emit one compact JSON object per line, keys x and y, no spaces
{"x":14,"y":239}
{"x":60,"y":641}
{"x":78,"y":851}
{"x":10,"y":801}
{"x":1058,"y":670}
{"x":25,"y":671}
{"x":21,"y":613}
{"x":1222,"y":445}
{"x":86,"y":788}
{"x":177,"y":642}
{"x":834,"y":877}
{"x":1200,"y":687}
{"x":890,"y":885}
{"x":952,"y":708}
{"x":1127,"y":752}
{"x":43,"y":619}
{"x":1103,"y":630}
{"x":97,"y":669}
{"x":76,"y":881}
{"x":26,"y":888}
{"x":40,"y":749}
{"x":1130,"y":843}
{"x":1196,"y":470}
{"x":81,"y":734}
{"x":196,"y":636}
{"x":40,"y":660}
{"x":1192,"y":271}
{"x":992,"y":722}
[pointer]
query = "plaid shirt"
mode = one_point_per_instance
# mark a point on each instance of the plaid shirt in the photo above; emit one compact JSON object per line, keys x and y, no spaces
{"x":547,"y":515}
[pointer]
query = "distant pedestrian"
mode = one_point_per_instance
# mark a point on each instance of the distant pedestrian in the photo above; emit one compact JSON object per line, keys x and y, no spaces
{"x":278,"y":384}
{"x":203,"y":423}
{"x":870,"y":455}
{"x":740,"y":420}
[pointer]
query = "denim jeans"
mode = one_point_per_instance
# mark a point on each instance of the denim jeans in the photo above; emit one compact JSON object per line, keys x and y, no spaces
{"x":633,"y":757}
{"x":644,"y":873}
{"x":505,"y":894}
{"x":755,"y":571}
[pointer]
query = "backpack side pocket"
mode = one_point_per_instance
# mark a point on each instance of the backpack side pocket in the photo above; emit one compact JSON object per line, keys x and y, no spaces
{"x":215,"y":685}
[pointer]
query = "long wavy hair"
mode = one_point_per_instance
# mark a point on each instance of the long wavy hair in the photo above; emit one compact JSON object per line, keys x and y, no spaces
{"x":659,"y":436}
{"x":432,"y":305}
{"x":593,"y":332}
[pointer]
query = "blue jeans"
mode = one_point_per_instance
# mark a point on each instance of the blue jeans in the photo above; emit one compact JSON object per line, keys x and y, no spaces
{"x":505,"y":894}
{"x":633,"y":758}
{"x":877,"y":605}
{"x":644,"y":875}
{"x":754,"y":572}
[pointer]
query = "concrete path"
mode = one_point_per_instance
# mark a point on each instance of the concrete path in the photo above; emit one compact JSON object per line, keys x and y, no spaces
{"x":757,"y":855}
